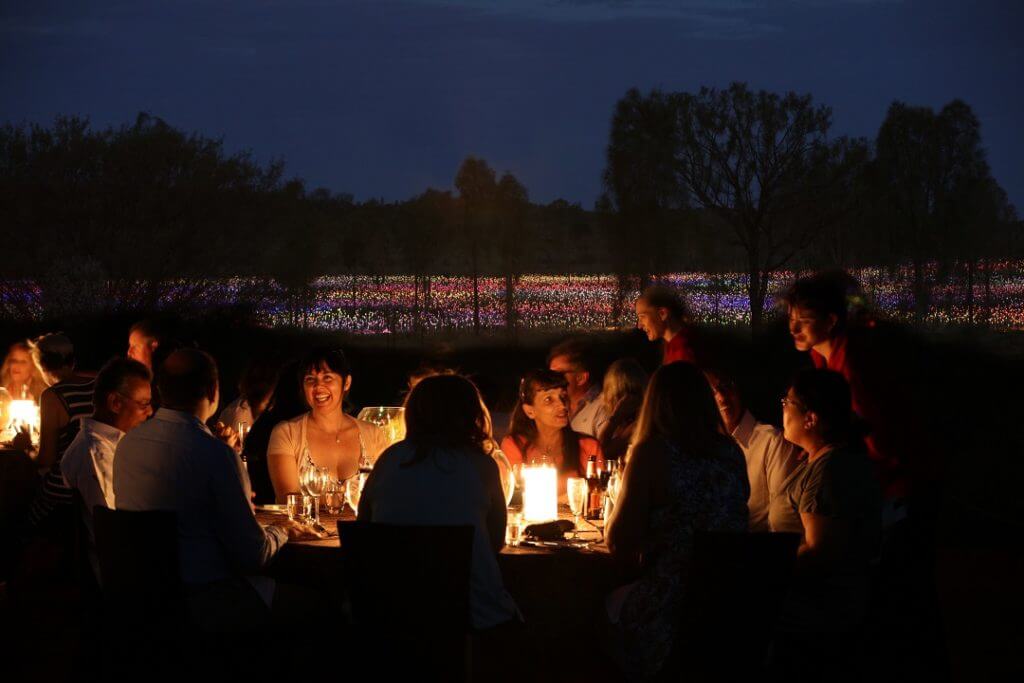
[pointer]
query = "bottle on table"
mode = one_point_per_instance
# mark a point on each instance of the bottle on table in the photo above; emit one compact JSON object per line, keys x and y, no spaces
{"x":595,"y":488}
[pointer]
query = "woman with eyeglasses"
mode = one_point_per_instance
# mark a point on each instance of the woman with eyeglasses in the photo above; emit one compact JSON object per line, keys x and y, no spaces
{"x":833,"y":502}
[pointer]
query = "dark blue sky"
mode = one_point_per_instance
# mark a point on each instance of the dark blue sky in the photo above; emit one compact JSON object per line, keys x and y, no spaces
{"x":384,"y":98}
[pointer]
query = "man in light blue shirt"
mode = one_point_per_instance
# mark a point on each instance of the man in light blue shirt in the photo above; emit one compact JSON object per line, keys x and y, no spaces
{"x":587,"y":412}
{"x":173,"y":462}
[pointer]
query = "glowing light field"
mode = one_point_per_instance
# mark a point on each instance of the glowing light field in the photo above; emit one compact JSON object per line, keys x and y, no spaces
{"x":395,"y":305}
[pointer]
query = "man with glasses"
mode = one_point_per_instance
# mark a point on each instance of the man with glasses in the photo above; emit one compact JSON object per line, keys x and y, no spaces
{"x":121,"y":401}
{"x":587,"y":412}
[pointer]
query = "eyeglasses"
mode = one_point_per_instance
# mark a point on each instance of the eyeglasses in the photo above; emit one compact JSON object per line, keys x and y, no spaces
{"x":787,"y":401}
{"x":141,"y":404}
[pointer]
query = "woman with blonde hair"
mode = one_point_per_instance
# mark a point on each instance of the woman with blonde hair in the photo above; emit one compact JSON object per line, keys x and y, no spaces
{"x":622,"y":393}
{"x":19,"y":375}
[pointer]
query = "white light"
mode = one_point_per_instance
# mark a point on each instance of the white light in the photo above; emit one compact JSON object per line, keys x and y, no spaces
{"x":540,"y":493}
{"x":22,"y":413}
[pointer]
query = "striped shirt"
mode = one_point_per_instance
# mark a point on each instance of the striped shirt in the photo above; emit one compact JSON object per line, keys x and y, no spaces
{"x":76,"y":399}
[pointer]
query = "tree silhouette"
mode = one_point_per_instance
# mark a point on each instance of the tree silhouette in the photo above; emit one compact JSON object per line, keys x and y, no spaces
{"x":477,"y":189}
{"x":763,"y":164}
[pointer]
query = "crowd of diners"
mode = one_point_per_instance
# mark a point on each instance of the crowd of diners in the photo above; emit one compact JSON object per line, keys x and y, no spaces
{"x":147,"y":433}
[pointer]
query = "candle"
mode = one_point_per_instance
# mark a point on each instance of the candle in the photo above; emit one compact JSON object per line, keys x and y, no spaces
{"x":23,"y":413}
{"x":540,"y":493}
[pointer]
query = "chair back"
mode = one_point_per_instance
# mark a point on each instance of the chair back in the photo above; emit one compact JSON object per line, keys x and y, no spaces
{"x":138,"y":560}
{"x":409,"y":589}
{"x":737,"y":585}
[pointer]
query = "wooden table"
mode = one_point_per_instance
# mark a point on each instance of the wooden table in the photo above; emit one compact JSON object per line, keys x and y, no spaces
{"x":560,"y":593}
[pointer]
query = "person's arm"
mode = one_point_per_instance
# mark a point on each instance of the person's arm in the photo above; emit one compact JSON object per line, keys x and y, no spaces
{"x":626,"y":529}
{"x":496,"y":520}
{"x":821,"y":548}
{"x":248,"y":545}
{"x":281,"y":462}
{"x":52,"y":418}
{"x":780,"y":461}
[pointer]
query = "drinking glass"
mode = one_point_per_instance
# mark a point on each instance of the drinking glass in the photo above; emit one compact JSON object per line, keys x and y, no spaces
{"x":243,"y":431}
{"x":334,"y":496}
{"x":315,"y":482}
{"x":354,"y":491}
{"x":576,"y":490}
{"x":514,"y":529}
{"x":294,"y":506}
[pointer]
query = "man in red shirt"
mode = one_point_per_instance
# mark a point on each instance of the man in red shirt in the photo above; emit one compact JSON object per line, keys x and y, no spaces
{"x":662,"y":314}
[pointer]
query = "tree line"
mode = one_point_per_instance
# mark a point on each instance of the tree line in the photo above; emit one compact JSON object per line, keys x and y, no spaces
{"x":718,"y":180}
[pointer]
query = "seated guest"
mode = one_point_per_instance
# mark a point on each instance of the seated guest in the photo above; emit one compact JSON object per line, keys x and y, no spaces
{"x":820,"y":324}
{"x":254,"y":389}
{"x":61,"y":409}
{"x":441,"y":474}
{"x":832,"y":500}
{"x":623,"y":394}
{"x":540,"y":430}
{"x":587,"y":412}
{"x":770,"y":458}
{"x":663,"y":315}
{"x":324,"y":436}
{"x":173,"y":462}
{"x":150,"y":341}
{"x":286,"y":403}
{"x":121,"y":402}
{"x":19,"y":375}
{"x":684,"y":475}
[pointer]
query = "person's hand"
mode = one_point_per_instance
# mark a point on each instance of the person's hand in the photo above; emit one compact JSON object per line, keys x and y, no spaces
{"x":228,"y":436}
{"x":297,"y":531}
{"x":22,"y":441}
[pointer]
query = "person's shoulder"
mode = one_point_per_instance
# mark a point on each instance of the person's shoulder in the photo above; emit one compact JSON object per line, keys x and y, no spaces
{"x":588,"y":444}
{"x":288,"y":428}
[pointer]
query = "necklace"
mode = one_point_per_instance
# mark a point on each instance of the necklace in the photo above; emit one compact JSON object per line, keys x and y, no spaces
{"x":337,"y":435}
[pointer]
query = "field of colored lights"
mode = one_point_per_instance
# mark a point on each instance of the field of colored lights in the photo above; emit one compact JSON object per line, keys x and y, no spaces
{"x":391,"y":304}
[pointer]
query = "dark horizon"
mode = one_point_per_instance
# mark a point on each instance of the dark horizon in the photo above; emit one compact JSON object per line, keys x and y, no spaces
{"x":383,"y":100}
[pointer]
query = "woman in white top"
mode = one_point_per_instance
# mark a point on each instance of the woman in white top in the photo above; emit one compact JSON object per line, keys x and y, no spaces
{"x":325,"y":436}
{"x":441,"y":474}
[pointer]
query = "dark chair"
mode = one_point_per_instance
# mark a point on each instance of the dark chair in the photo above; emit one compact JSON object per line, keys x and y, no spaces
{"x":409,"y":589}
{"x":736,"y":589}
{"x":143,"y":597}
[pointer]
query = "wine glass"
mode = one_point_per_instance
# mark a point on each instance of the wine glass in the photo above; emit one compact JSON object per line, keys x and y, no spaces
{"x":243,"y":431}
{"x":576,"y":489}
{"x":354,"y":491}
{"x":314,"y":481}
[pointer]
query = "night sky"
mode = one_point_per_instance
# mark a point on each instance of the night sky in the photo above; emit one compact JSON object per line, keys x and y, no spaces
{"x":383,"y":99}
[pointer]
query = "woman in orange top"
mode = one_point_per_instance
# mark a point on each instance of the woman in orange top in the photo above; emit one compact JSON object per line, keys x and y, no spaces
{"x":540,"y":428}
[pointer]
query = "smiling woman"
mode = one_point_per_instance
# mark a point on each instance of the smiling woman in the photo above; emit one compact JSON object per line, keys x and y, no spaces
{"x":325,"y":436}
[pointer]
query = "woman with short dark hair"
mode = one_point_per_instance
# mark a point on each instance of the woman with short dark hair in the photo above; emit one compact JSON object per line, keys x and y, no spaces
{"x":684,"y":475}
{"x":324,"y":436}
{"x":442,"y":474}
{"x":832,"y":500}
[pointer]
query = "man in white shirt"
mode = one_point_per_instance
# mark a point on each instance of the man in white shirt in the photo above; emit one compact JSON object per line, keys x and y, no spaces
{"x":770,"y":458}
{"x":173,"y":462}
{"x":587,"y":411}
{"x":121,"y":401}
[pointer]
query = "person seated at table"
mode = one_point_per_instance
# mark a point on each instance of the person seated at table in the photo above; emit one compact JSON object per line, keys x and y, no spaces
{"x":19,"y":375}
{"x":324,"y":436}
{"x":173,"y":462}
{"x":286,"y":403}
{"x":254,"y":391}
{"x":770,"y":458}
{"x":150,"y":341}
{"x":834,"y":503}
{"x":662,"y":314}
{"x":574,"y":359}
{"x":121,"y":402}
{"x":61,"y":409}
{"x":684,"y":475}
{"x":623,"y":394}
{"x":441,"y":474}
{"x":540,"y":429}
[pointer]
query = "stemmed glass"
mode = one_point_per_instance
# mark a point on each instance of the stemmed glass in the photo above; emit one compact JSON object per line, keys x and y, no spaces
{"x":314,"y":481}
{"x":576,"y":489}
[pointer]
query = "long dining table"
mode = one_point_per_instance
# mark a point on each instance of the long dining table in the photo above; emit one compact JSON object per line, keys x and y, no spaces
{"x":560,"y":591}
